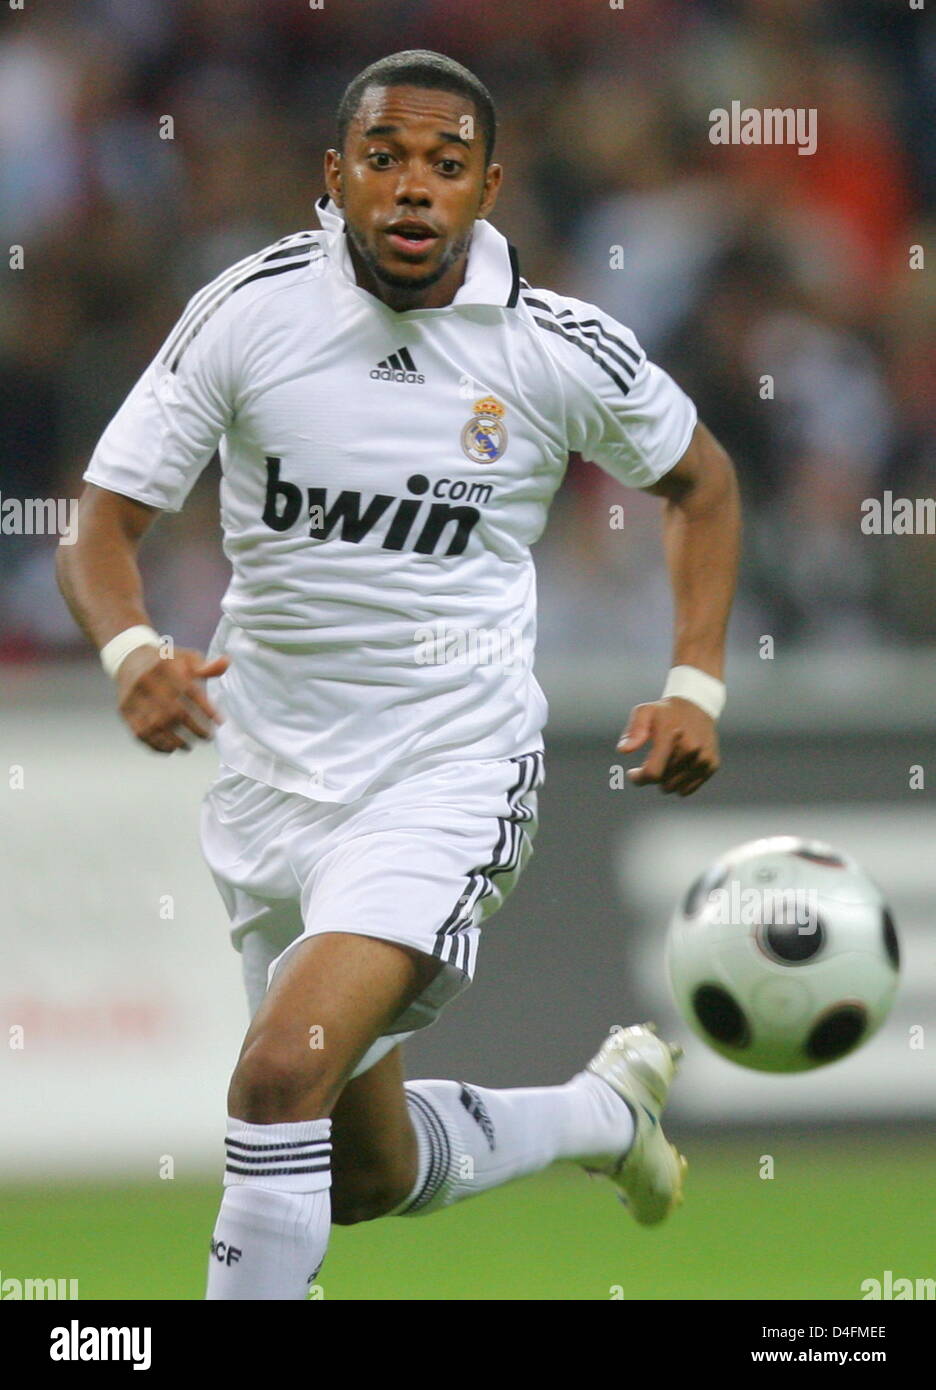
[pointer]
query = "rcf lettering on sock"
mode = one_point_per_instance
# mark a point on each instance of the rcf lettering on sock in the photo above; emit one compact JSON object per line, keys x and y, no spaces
{"x":227,"y":1254}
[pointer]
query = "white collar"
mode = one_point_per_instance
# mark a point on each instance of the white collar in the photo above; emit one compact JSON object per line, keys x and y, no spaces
{"x":492,"y":275}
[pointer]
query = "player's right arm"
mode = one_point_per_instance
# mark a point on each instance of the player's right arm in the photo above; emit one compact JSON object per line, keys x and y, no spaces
{"x":147,"y":462}
{"x":160,"y":697}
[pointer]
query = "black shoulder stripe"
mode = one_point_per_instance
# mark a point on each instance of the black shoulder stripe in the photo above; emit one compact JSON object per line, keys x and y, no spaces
{"x":601,"y":330}
{"x":588,"y":332}
{"x":273,"y":270}
{"x":588,"y":350}
{"x":222,"y":298}
{"x":288,"y":251}
{"x":297,"y":243}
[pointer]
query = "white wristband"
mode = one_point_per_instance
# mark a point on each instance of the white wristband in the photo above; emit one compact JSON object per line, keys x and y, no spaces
{"x":119,"y":647}
{"x":688,"y":683}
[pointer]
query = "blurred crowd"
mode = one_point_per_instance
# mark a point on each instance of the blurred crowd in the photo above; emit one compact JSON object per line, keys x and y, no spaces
{"x":780,"y":290}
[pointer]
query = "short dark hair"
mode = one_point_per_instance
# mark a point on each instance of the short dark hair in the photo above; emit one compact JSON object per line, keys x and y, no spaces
{"x":420,"y":67}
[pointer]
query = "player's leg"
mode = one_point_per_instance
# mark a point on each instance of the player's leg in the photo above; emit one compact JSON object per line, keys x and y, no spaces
{"x":427,"y":862}
{"x":607,"y":1118}
{"x":331,"y":997}
{"x":410,"y":1148}
{"x":375,"y":1150}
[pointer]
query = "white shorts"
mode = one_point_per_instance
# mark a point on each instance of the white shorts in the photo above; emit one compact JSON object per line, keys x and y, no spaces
{"x":421,"y":862}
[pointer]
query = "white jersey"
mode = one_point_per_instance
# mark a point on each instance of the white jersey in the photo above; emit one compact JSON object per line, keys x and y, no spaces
{"x":384,"y":475}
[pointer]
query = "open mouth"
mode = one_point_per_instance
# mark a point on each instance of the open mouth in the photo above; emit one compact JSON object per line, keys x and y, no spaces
{"x":411,"y":238}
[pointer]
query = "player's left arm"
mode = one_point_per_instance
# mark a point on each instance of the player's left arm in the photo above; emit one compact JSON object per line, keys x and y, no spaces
{"x":702,"y":536}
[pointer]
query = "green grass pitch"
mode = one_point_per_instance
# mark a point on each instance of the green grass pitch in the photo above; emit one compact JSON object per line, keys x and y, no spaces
{"x":837,"y":1211}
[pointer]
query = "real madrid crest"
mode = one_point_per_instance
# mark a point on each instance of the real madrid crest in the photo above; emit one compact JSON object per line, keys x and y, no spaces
{"x":484,"y":438}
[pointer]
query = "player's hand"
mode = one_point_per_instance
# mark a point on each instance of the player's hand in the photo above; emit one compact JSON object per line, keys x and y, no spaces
{"x":163,"y":701}
{"x":685,"y":745}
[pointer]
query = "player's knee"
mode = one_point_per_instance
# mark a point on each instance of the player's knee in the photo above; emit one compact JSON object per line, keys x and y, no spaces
{"x":271,"y":1082}
{"x":364,"y":1194}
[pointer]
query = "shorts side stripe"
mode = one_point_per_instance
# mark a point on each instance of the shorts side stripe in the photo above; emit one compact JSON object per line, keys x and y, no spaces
{"x":450,"y":944}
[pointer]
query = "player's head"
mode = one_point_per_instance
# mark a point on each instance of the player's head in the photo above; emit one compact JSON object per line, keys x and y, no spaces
{"x":412,"y":171}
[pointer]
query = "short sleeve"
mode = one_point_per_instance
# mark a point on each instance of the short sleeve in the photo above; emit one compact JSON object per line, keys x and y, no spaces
{"x":168,"y":428}
{"x":622,"y":411}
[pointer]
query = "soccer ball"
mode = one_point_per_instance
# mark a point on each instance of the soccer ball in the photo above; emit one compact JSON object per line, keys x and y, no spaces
{"x":783,"y":956}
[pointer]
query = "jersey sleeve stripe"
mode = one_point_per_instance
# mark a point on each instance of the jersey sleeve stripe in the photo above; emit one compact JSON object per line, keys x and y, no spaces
{"x":588,"y":332}
{"x":299,"y":243}
{"x":215,"y":305}
{"x":602,"y":333}
{"x":287,"y":251}
{"x":619,"y":381}
{"x":242,"y":267}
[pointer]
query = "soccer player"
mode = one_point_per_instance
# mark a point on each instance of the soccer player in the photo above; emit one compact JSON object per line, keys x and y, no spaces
{"x":394,"y":408}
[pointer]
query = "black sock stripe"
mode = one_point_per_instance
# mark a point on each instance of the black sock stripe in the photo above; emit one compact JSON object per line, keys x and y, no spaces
{"x":440,"y":1149}
{"x":264,"y":1160}
{"x":286,"y":1144}
{"x":278,"y":1172}
{"x":429,"y":1134}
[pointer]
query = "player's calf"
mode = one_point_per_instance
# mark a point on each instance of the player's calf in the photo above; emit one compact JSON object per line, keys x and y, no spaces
{"x":375,"y":1153}
{"x":366,"y":1193}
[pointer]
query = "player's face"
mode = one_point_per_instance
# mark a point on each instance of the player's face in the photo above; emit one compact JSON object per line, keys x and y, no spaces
{"x":411,"y":181}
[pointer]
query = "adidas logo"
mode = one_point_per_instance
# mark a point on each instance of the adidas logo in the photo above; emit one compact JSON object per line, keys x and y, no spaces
{"x":399,"y":366}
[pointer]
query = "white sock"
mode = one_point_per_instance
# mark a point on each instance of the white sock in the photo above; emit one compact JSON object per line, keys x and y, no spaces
{"x":272,"y":1231}
{"x":471,"y":1138}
